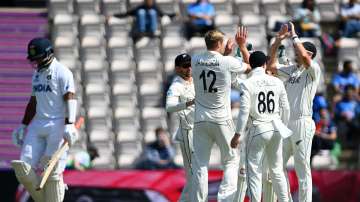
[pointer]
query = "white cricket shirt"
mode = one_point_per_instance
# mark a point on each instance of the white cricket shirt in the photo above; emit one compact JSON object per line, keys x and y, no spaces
{"x":49,"y":85}
{"x":180,"y":92}
{"x":262,"y":99}
{"x":212,"y":75}
{"x":300,"y":84}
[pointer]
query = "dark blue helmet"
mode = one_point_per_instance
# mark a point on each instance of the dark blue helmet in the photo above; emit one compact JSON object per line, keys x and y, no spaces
{"x":39,"y":49}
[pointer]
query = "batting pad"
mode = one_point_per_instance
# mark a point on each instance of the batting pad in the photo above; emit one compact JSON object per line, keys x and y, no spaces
{"x":268,"y":191}
{"x":241,"y":191}
{"x":54,"y":190}
{"x":27,"y":176}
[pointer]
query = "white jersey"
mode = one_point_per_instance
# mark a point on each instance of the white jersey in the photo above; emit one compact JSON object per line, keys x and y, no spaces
{"x":179,"y":93}
{"x":301,"y":85}
{"x":213,"y":74}
{"x":263,"y":99}
{"x":49,"y":86}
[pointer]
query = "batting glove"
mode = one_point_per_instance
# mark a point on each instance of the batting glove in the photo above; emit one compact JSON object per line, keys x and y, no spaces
{"x":70,"y":134}
{"x":18,"y":135}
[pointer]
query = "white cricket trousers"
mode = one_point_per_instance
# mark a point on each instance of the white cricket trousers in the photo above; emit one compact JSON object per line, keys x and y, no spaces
{"x":42,"y":140}
{"x":186,"y":147}
{"x":299,"y":145}
{"x":205,"y":135}
{"x":264,"y":142}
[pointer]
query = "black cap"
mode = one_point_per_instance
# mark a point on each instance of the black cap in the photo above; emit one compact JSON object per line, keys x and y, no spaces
{"x":183,"y":59}
{"x":310,"y":47}
{"x":257,"y":59}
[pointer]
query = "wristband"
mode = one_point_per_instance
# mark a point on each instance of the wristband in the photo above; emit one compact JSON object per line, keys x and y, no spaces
{"x":296,"y":39}
{"x":71,"y":110}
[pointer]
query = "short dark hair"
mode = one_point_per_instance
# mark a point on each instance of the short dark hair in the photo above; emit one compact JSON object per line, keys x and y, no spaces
{"x":257,"y":59}
{"x":310,"y":47}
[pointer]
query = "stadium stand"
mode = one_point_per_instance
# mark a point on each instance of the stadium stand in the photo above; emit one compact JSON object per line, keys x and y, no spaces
{"x":121,"y":83}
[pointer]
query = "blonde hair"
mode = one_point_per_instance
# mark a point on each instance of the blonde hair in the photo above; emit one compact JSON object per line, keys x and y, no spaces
{"x":212,"y":37}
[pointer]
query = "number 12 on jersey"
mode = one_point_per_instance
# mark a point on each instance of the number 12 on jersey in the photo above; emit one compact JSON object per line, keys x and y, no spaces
{"x":210,"y":75}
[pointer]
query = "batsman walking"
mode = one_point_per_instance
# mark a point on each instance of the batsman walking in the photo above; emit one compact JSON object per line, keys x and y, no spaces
{"x":48,"y":121}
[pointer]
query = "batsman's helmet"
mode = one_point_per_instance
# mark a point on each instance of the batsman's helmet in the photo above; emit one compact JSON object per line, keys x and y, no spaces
{"x":40,"y":49}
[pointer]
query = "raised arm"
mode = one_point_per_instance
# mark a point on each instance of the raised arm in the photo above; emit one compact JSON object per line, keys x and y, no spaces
{"x":301,"y":53}
{"x":281,"y":35}
{"x":240,"y":38}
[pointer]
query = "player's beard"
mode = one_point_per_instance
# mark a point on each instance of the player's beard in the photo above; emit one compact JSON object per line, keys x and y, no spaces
{"x":34,"y":64}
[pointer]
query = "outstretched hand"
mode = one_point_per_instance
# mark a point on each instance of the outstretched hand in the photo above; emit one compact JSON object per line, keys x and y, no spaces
{"x":229,"y":47}
{"x":241,"y":36}
{"x":283,"y":33}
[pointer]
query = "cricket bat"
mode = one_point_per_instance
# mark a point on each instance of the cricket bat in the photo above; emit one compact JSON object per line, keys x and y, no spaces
{"x":55,"y":158}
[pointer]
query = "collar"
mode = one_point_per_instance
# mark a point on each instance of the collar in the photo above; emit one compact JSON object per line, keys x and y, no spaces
{"x":257,"y":71}
{"x":181,"y":80}
{"x":214,"y":52}
{"x":51,"y":66}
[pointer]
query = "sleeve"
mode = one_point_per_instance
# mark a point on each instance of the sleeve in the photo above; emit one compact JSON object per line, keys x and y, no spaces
{"x":235,"y":64}
{"x":284,"y":104}
{"x":284,"y":72}
{"x":336,"y":80}
{"x":315,"y":70}
{"x":172,"y":100}
{"x":245,"y":102}
{"x":236,"y":81}
{"x":67,"y":82}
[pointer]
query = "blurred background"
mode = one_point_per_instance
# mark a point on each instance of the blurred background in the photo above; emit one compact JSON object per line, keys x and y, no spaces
{"x":123,"y":70}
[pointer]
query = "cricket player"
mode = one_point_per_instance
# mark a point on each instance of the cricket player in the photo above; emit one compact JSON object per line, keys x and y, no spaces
{"x":180,"y":99}
{"x":263,"y":101}
{"x":212,"y":76}
{"x":301,"y":82}
{"x":48,"y":121}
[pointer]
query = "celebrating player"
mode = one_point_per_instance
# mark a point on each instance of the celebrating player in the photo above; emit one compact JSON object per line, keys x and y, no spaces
{"x":212,"y":75}
{"x":263,"y":99}
{"x":48,"y":121}
{"x":180,"y":99}
{"x":301,"y":82}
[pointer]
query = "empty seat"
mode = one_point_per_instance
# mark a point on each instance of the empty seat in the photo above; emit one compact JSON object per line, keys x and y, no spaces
{"x":124,"y":95}
{"x":95,"y":71}
{"x":153,"y":117}
{"x":222,"y":6}
{"x":168,"y":6}
{"x":96,"y":95}
{"x":149,"y":71}
{"x":66,"y":47}
{"x":147,"y":48}
{"x":245,"y":7}
{"x":122,"y":71}
{"x":128,"y":152}
{"x":270,"y":7}
{"x":119,"y":48}
{"x":60,"y":7}
{"x":87,"y":7}
{"x":196,"y":44}
{"x":92,"y":47}
{"x":126,"y":119}
{"x":329,"y":10}
{"x":64,"y":25}
{"x":128,"y":136}
{"x":348,"y":48}
{"x":254,"y":23}
{"x":110,"y":7}
{"x":92,"y":25}
{"x":151,"y":94}
{"x":118,"y":27}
